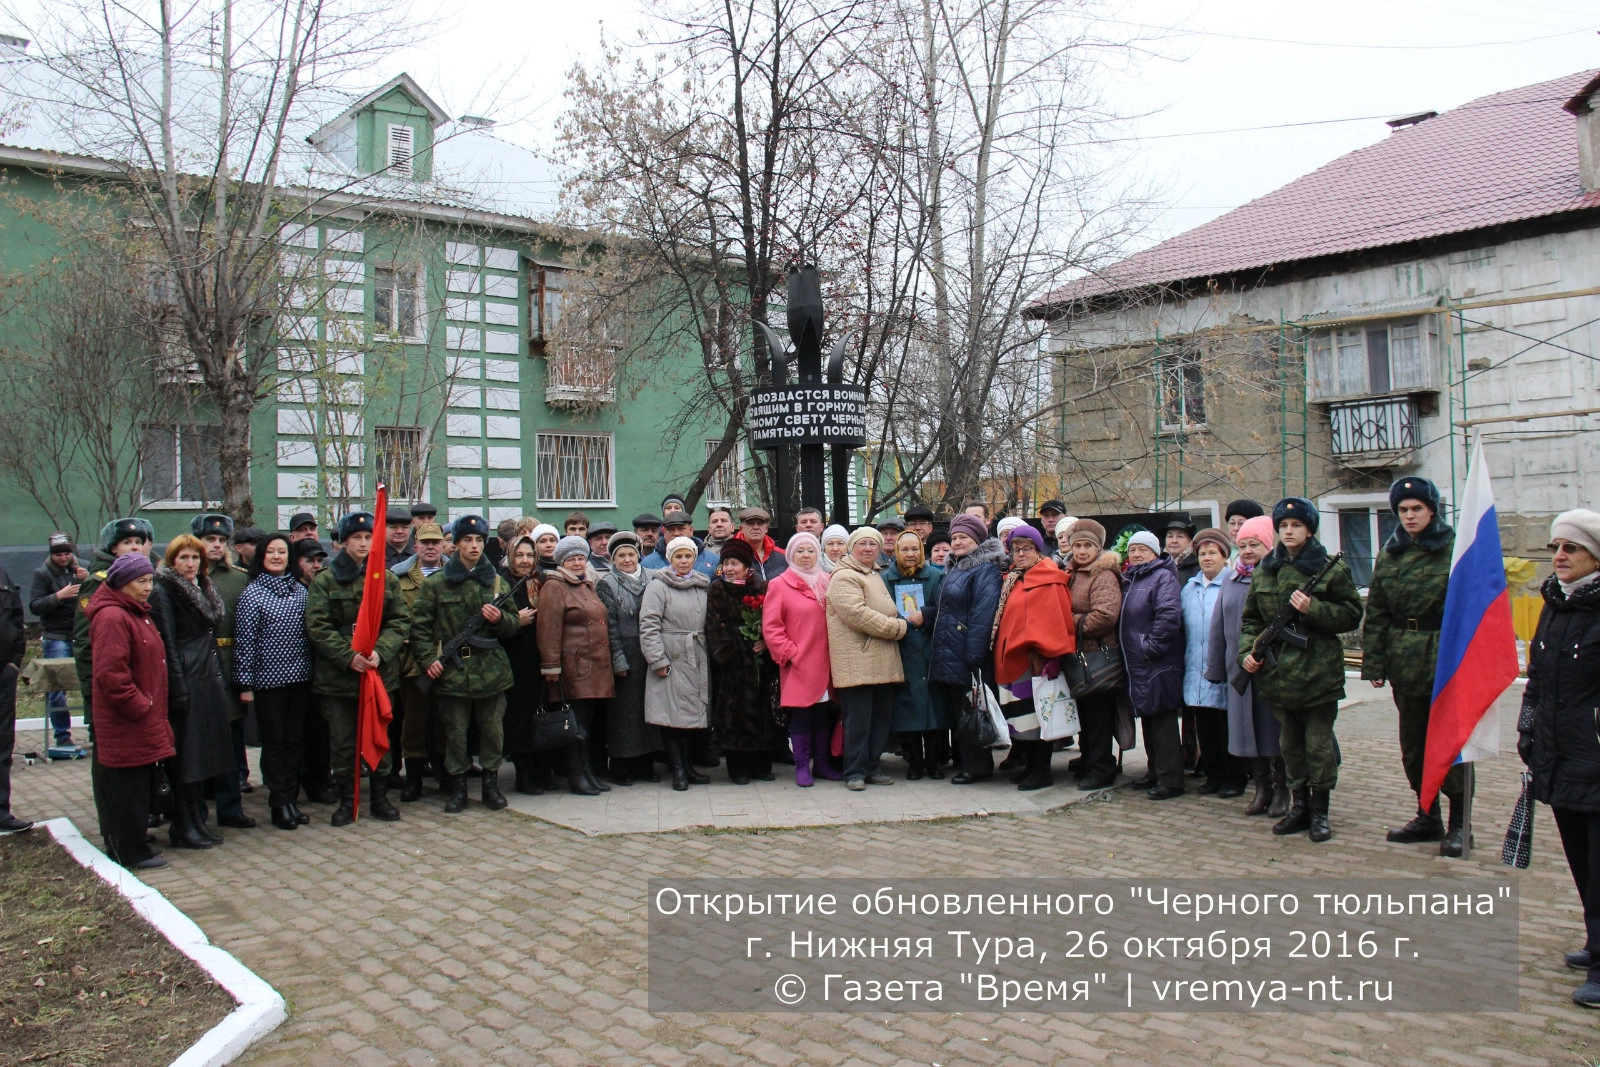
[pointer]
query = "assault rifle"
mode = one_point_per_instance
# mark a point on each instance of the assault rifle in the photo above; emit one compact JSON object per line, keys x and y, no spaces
{"x":450,"y":652}
{"x":1280,"y":628}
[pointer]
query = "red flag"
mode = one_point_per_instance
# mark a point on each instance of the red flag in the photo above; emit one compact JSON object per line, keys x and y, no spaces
{"x":373,"y":711}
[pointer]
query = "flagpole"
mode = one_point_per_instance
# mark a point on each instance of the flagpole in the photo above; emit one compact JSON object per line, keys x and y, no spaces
{"x":1466,"y":808}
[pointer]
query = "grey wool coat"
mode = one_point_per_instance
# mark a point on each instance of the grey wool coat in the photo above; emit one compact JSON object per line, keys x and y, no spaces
{"x":1252,"y":728}
{"x":672,"y":633}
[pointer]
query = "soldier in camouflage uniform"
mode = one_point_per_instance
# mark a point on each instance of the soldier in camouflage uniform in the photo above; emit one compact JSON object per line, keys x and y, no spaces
{"x":472,"y":691}
{"x":332,"y":603}
{"x":1306,"y":685}
{"x":416,"y":707}
{"x":1400,"y":642}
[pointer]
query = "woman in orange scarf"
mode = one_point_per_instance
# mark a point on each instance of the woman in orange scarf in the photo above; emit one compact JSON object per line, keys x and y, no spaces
{"x":1033,"y":630}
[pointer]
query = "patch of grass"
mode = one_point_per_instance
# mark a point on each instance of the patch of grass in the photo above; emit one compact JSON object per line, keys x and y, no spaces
{"x":83,"y":979}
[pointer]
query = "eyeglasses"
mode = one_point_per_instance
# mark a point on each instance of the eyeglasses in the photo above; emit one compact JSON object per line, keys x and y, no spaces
{"x":1569,"y":547}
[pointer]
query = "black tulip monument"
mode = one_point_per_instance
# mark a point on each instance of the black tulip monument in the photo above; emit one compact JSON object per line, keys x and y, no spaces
{"x":814,"y":413}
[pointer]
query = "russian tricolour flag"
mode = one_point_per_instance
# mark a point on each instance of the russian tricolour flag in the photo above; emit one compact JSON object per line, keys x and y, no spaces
{"x":1477,"y":647}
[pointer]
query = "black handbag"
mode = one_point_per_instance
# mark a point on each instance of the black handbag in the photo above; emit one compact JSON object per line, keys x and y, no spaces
{"x":1092,"y":673}
{"x":975,"y":726}
{"x":557,"y":728}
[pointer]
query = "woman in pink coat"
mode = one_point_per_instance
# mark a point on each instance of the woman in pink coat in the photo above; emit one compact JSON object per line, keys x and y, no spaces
{"x":794,"y":623}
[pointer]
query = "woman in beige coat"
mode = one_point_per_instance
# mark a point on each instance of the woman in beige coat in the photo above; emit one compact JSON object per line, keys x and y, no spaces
{"x":864,"y":631}
{"x":672,"y":636}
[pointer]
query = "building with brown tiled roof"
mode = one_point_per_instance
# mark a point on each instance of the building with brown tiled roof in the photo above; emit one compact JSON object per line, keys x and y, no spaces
{"x":1358,"y":323}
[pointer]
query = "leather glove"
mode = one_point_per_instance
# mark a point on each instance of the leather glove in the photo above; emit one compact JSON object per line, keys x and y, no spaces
{"x":1525,"y":746}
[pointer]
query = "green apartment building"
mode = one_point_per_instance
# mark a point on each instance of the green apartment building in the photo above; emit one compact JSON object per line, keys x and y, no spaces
{"x":412,"y":340}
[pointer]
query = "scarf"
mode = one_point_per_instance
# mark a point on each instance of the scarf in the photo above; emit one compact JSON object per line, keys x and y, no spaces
{"x":815,"y":576}
{"x":1568,"y":588}
{"x":568,"y":577}
{"x":922,"y":557}
{"x":634,"y":583}
{"x":692,"y":580}
{"x":1243,"y":569}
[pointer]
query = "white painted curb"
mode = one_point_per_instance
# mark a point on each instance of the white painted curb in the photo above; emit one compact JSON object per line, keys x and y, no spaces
{"x":261,"y":1008}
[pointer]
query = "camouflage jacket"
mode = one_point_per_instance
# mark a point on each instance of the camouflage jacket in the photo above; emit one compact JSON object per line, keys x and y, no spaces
{"x":448,"y":600}
{"x":1312,"y":675}
{"x":411,"y":578}
{"x":1405,"y":606}
{"x":332,"y":604}
{"x":229,"y":581}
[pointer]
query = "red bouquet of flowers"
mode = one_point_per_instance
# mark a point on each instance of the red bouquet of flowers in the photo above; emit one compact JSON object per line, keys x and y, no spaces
{"x":750,"y":617}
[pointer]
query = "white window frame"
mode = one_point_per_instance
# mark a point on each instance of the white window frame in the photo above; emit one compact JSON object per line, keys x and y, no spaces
{"x":175,"y":504}
{"x":419,"y":321}
{"x":716,"y":495}
{"x":1324,"y":344}
{"x":419,"y":457}
{"x":1179,"y":363}
{"x":399,"y":163}
{"x":609,"y":500}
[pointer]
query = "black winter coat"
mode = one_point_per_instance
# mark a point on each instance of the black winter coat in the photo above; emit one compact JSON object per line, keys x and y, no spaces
{"x":187,"y":615}
{"x":12,"y":639}
{"x":746,"y":682}
{"x":1561,"y":704}
{"x":1151,"y":632}
{"x":969,"y":594}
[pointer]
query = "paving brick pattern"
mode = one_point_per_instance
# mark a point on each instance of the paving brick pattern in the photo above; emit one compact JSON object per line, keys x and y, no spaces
{"x":493,"y":938}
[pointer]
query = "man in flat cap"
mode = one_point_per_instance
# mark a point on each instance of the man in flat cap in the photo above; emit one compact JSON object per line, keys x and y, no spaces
{"x":599,"y":537}
{"x":413,"y":729}
{"x":753,"y":525}
{"x":332,"y":604}
{"x":302,"y":525}
{"x":471,"y":692}
{"x":679,"y":524}
{"x":919,"y":520}
{"x":1051,"y":512}
{"x":648,"y":527}
{"x":1400,"y":643}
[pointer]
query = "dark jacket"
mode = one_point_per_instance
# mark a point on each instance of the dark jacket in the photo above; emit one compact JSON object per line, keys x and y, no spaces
{"x":332,"y":604}
{"x":916,"y":707}
{"x":969,"y":593}
{"x":188,"y":615}
{"x":130,"y":682}
{"x":229,"y":582}
{"x":1561,"y":703}
{"x":1151,"y":631}
{"x":451,"y":598}
{"x":1314,"y":675}
{"x":744,"y":690}
{"x":1188,"y":565}
{"x":82,"y":652}
{"x":55,"y":615}
{"x":1405,"y":607}
{"x":13,"y":642}
{"x":269,"y":627}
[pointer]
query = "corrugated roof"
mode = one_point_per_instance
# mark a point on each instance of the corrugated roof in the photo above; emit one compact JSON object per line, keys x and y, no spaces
{"x":1502,"y":158}
{"x":472,"y":167}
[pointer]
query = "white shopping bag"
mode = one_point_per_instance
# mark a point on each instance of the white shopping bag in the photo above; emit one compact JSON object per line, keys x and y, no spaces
{"x":1057,"y":711}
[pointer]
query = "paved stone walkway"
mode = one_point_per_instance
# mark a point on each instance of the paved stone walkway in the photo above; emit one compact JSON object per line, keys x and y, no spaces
{"x":491,"y":938}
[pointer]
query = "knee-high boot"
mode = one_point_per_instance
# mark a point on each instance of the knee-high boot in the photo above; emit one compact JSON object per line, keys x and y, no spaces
{"x":802,"y":759}
{"x":821,"y":744}
{"x":182,"y":832}
{"x":579,"y":778}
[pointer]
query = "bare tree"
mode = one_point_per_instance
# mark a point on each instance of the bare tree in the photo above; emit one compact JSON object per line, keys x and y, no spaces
{"x":88,"y":370}
{"x":200,"y":109}
{"x":715,"y":165}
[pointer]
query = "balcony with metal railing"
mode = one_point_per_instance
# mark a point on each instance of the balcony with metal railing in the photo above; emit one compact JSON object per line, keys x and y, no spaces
{"x":1381,"y":432}
{"x":580,"y":375}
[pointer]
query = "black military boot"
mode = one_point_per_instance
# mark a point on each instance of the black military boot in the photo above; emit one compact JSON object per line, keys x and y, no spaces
{"x":1299,"y":817}
{"x":1426,"y":826}
{"x":457,"y":788}
{"x":283,"y":817}
{"x":493,"y":799}
{"x":1451,"y":845}
{"x":381,"y":808}
{"x":345,"y":813}
{"x":415,"y":769}
{"x":1320,"y":830}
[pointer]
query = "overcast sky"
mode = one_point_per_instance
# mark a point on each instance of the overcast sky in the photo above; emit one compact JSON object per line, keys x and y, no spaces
{"x":1228,"y":65}
{"x":1304,"y":62}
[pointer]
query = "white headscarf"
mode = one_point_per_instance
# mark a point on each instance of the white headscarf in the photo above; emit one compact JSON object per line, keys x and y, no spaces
{"x":832,"y":533}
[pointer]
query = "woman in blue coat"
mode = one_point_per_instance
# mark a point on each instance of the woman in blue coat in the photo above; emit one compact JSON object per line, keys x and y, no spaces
{"x":969,"y":593}
{"x":1152,"y":647}
{"x":921,"y":714}
{"x":1205,"y":699}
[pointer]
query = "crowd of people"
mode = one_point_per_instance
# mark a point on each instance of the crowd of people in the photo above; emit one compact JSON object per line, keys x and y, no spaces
{"x":659,"y":647}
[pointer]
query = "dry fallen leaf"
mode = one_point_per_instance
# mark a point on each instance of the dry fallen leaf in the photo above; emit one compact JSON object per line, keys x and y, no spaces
{"x":44,"y":941}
